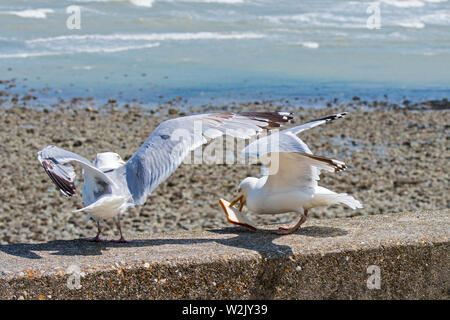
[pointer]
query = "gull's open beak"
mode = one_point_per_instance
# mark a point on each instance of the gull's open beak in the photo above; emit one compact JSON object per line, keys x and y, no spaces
{"x":236,"y":200}
{"x":242,"y":200}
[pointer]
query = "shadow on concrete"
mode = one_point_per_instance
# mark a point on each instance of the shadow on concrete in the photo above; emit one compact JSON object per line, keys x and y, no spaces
{"x":270,"y":271}
{"x":270,"y":274}
{"x":321,"y":232}
{"x":260,"y":241}
{"x":81,"y":247}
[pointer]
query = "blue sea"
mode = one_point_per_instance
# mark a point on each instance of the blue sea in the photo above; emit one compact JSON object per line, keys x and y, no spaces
{"x":226,"y":50}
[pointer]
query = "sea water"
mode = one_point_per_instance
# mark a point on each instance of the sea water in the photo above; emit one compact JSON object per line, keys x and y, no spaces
{"x":155,"y":50}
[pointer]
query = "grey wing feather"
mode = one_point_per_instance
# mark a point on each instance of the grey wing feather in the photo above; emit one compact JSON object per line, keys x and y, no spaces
{"x":55,"y":162}
{"x":172,"y":140}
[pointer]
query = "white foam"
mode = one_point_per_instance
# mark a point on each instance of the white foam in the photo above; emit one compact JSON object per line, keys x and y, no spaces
{"x":437,"y":18}
{"x":306,"y":44}
{"x":319,"y":19}
{"x":218,"y":1}
{"x":411,"y":24}
{"x":153,"y":37}
{"x":149,"y":3}
{"x":27,"y":54}
{"x":404,"y":3}
{"x":82,"y":68}
{"x":78,"y":50}
{"x":142,"y":3}
{"x":310,"y":45}
{"x":116,"y":49}
{"x":32,"y":13}
{"x":97,"y":1}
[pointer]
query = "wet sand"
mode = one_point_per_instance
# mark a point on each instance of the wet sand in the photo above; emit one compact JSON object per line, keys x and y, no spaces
{"x":397,"y":158}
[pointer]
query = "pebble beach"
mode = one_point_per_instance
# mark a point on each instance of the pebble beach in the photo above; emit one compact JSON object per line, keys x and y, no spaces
{"x":397,"y":157}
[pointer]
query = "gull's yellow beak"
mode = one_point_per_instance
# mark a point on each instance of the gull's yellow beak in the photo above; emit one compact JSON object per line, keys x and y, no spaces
{"x":242,"y":200}
{"x":235,"y":200}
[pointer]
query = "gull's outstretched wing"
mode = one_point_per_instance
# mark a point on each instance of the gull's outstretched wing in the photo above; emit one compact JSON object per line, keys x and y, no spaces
{"x":314,"y":123}
{"x":173,"y":139}
{"x":55,"y":162}
{"x":286,"y":140}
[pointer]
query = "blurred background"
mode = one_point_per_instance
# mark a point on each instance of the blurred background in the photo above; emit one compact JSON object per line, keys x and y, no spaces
{"x":154,"y":50}
{"x":132,"y":64}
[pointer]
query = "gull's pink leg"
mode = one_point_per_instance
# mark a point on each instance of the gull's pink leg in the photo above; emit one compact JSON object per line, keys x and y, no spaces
{"x":289,"y":230}
{"x":97,"y":237}
{"x":122,"y":239}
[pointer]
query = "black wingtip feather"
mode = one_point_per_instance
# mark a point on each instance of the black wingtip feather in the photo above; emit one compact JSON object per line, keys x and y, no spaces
{"x":67,"y":187}
{"x":272,"y":119}
{"x":330,"y":118}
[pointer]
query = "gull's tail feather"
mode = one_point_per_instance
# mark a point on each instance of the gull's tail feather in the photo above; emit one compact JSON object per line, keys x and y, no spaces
{"x":326,"y":197}
{"x":348,"y":201}
{"x":105,"y":207}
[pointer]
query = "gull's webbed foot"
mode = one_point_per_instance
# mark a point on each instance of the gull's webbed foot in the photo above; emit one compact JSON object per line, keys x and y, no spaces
{"x":121,"y":240}
{"x":288,"y":230}
{"x":95,"y":239}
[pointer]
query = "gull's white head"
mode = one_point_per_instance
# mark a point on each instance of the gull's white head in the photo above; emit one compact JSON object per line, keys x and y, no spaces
{"x":246,"y":185}
{"x":108,"y":161}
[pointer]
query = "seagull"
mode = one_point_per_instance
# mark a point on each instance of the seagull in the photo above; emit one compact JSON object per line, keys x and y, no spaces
{"x":290,"y":181}
{"x":111,"y":185}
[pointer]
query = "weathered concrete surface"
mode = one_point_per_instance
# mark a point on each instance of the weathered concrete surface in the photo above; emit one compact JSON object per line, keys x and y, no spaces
{"x":326,"y":259}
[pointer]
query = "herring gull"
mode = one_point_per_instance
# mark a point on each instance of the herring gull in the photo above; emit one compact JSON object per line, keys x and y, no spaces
{"x":111,"y":186}
{"x":290,"y":183}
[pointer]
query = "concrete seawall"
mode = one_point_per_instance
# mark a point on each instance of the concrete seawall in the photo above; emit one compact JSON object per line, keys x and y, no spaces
{"x":396,"y":256}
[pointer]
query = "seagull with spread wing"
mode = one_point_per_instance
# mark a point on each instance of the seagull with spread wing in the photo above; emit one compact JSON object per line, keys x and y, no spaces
{"x":290,"y":182}
{"x":111,"y":186}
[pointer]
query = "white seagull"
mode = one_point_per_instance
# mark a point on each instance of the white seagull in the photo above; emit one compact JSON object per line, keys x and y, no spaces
{"x":111,"y":186}
{"x":290,"y":182}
